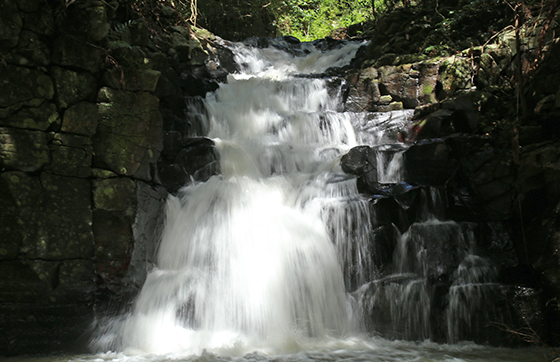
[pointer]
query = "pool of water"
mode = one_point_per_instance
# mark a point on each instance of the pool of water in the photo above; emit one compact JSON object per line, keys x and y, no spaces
{"x":374,"y":350}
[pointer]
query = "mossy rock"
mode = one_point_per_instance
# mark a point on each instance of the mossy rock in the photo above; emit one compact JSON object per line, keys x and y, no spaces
{"x":62,"y":219}
{"x":114,"y":194}
{"x":25,"y":281}
{"x":69,"y":51}
{"x":40,"y":118}
{"x":75,"y":282}
{"x":40,"y":22}
{"x":23,"y":150}
{"x":50,"y":216}
{"x":11,"y":24}
{"x":131,"y":79}
{"x":71,"y":155}
{"x":72,"y":87}
{"x":129,"y":134}
{"x":455,"y":75}
{"x":81,"y":118}
{"x":24,"y":86}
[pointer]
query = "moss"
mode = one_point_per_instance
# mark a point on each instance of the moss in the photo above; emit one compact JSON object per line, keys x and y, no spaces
{"x":427,"y":89}
{"x":46,"y":87}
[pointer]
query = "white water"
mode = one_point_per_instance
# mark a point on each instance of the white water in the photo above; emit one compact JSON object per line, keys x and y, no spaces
{"x":246,"y":261}
{"x":255,"y":262}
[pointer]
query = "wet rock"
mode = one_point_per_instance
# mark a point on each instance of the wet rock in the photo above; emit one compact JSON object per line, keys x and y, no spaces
{"x":429,"y":162}
{"x":433,"y":249}
{"x":396,"y":307}
{"x":363,"y":91}
{"x":362,"y":162}
{"x":195,"y":86}
{"x":147,"y":228}
{"x":385,"y":240}
{"x":225,"y":59}
{"x":397,"y":204}
{"x":186,"y":160}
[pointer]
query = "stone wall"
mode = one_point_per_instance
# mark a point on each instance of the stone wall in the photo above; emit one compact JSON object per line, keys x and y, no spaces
{"x":83,"y":106}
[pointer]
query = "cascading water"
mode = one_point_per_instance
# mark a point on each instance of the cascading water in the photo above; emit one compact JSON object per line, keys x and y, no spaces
{"x":280,"y":253}
{"x":246,"y":258}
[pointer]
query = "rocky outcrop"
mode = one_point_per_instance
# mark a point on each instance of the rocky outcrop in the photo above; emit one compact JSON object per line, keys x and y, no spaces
{"x":86,"y":108}
{"x":491,"y":175}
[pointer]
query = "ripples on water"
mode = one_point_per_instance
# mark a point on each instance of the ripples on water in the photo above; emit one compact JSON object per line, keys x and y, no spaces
{"x":375,"y":350}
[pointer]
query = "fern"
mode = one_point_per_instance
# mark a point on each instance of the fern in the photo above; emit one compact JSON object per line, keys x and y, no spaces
{"x":117,"y":31}
{"x":117,"y":44}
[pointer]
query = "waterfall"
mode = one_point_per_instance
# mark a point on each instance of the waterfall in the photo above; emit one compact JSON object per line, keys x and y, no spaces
{"x":255,"y":258}
{"x":281,"y":249}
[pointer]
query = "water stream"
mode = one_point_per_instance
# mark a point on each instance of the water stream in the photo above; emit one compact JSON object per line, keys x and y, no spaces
{"x":272,"y":260}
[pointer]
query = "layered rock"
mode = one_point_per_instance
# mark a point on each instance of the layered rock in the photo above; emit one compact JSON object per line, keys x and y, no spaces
{"x":83,"y":120}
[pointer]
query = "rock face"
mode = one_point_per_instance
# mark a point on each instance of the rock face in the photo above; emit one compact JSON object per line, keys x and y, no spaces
{"x":464,"y":168}
{"x":80,"y":147}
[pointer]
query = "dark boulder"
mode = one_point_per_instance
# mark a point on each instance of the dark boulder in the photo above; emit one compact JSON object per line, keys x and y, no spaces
{"x":430,"y":162}
{"x":187,"y":160}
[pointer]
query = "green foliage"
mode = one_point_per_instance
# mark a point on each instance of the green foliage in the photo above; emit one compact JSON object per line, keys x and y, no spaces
{"x":314,"y":19}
